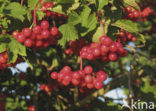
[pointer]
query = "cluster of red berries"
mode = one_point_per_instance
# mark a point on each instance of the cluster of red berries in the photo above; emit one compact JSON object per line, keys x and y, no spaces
{"x":60,"y":18}
{"x":31,"y":108}
{"x":75,"y":47}
{"x":135,"y":14}
{"x":82,"y":78}
{"x":124,"y":36}
{"x":39,"y":37}
{"x":4,"y":61}
{"x":106,"y":50}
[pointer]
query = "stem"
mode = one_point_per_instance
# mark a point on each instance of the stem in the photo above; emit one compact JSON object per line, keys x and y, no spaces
{"x":21,"y":2}
{"x":35,"y":19}
{"x":81,"y":64}
{"x":102,"y":25}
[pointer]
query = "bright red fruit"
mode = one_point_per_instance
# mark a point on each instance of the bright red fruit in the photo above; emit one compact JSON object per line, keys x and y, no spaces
{"x":88,"y":69}
{"x":128,"y":9}
{"x":113,"y":56}
{"x":37,"y":29}
{"x":44,"y":24}
{"x":21,"y":38}
{"x":88,"y":79}
{"x":31,"y":108}
{"x":45,"y":34}
{"x":98,"y":85}
{"x":28,"y":43}
{"x":26,"y":32}
{"x":54,"y":75}
{"x":54,"y":31}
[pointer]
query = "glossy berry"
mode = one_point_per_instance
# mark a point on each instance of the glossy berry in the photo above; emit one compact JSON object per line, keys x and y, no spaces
{"x":88,"y":79}
{"x":88,"y":69}
{"x":45,"y":25}
{"x":54,"y":75}
{"x":21,"y":38}
{"x":28,"y":43}
{"x":98,"y":85}
{"x":26,"y":32}
{"x":45,"y":34}
{"x":37,"y":29}
{"x":112,"y":56}
{"x":54,"y":31}
{"x":128,"y":9}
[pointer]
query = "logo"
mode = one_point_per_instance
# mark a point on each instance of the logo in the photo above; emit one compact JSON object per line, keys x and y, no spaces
{"x":139,"y":105}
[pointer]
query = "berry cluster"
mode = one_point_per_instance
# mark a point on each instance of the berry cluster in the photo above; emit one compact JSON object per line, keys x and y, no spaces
{"x":82,"y":78}
{"x":39,"y":37}
{"x":4,"y":61}
{"x":135,"y":14}
{"x":106,"y":50}
{"x":75,"y":47}
{"x":59,"y":18}
{"x":124,"y":36}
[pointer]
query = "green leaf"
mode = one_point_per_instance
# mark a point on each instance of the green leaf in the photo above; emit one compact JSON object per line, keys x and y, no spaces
{"x":65,"y":1}
{"x":141,"y":37}
{"x":74,"y":18}
{"x":40,"y":15}
{"x":68,"y":33}
{"x":97,"y":35}
{"x":15,"y":49}
{"x":55,"y":62}
{"x":58,"y":9}
{"x":89,"y":22}
{"x":132,"y":3}
{"x":32,"y":3}
{"x":127,"y":25}
{"x":101,"y":3}
{"x":15,"y":10}
{"x":3,"y":47}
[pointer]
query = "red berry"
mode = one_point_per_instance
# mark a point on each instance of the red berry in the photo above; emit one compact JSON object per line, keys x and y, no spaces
{"x":98,"y":85}
{"x":21,"y":38}
{"x":75,"y":82}
{"x":31,"y":108}
{"x":136,"y":14}
{"x":130,"y":15}
{"x":105,"y":40}
{"x":54,"y":31}
{"x":42,"y":87}
{"x":54,"y":75}
{"x":88,"y":69}
{"x":28,"y":43}
{"x":88,"y":79}
{"x":15,"y":34}
{"x":90,"y":56}
{"x":128,"y":9}
{"x":76,"y":75}
{"x":67,"y":77}
{"x":90,"y":85}
{"x":45,"y":25}
{"x":37,"y":29}
{"x":113,"y":56}
{"x":66,"y":69}
{"x":96,"y":52}
{"x":45,"y":34}
{"x":113,"y":47}
{"x":3,"y":60}
{"x":26,"y":32}
{"x":133,"y":39}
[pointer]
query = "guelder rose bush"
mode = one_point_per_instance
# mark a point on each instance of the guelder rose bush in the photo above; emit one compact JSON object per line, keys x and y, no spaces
{"x":72,"y":47}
